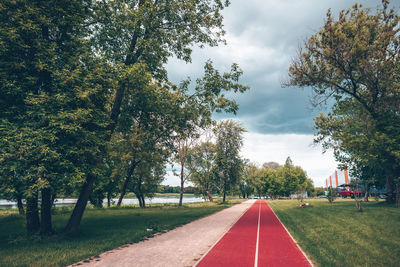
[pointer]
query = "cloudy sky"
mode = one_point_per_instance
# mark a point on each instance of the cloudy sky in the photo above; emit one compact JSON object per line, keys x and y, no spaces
{"x":262,"y":37}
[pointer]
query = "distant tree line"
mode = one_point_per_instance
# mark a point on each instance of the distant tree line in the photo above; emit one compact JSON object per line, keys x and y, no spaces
{"x":274,"y":180}
{"x":176,"y":189}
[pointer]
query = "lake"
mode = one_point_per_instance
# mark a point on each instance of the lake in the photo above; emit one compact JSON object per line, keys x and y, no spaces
{"x":5,"y":204}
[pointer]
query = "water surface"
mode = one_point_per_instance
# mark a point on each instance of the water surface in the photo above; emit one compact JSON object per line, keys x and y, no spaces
{"x":59,"y":202}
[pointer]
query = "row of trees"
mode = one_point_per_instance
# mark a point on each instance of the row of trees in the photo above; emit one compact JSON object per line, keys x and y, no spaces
{"x":216,"y":167}
{"x":86,"y":106}
{"x":273,"y":180}
{"x":353,"y":63}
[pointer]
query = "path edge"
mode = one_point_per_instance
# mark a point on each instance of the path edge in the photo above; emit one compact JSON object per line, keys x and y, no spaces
{"x":216,"y":242}
{"x":294,"y":240}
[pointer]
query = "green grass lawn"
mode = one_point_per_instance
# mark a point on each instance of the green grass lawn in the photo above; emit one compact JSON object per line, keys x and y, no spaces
{"x":337,"y":235}
{"x":101,"y":230}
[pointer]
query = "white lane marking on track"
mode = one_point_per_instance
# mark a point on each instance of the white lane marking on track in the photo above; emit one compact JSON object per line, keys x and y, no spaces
{"x":294,"y":240}
{"x":258,"y":234}
{"x":227,"y":230}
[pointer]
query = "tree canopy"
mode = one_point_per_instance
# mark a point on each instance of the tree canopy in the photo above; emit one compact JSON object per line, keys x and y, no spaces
{"x":85,"y":100}
{"x":354,"y":60}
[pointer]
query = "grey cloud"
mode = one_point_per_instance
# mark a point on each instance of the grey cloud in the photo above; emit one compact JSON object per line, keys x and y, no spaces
{"x":263,"y":36}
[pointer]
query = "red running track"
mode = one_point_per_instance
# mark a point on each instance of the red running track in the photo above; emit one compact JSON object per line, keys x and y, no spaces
{"x":256,"y":239}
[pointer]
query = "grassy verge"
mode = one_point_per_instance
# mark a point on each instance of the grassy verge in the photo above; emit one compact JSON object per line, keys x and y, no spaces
{"x":101,"y":230}
{"x":337,"y":235}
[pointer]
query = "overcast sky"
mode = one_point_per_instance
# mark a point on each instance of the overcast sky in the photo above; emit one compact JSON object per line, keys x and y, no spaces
{"x":262,"y":37}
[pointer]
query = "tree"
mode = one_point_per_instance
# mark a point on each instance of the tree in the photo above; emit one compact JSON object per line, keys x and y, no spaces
{"x":72,"y":78}
{"x":197,"y":109}
{"x":52,"y":100}
{"x":147,"y":177}
{"x":356,"y":142}
{"x":283,"y":180}
{"x":229,"y":140}
{"x":183,"y":144}
{"x":130,"y":32}
{"x":147,"y":125}
{"x":200,"y":164}
{"x":257,"y":178}
{"x":246,"y":187}
{"x":355,"y":61}
{"x":293,"y":177}
{"x":272,"y":183}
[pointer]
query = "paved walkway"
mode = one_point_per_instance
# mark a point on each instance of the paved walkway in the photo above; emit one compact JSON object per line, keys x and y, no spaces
{"x":183,"y":246}
{"x":257,"y":239}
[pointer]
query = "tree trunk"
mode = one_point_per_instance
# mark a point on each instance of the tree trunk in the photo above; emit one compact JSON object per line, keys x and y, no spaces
{"x":20,"y":205}
{"x":390,"y":188}
{"x":139,"y":194}
{"x":108,"y":199}
{"x":366,"y":193}
{"x":126,"y":183}
{"x":32,"y":214}
{"x":139,"y":199}
{"x":209,"y":195}
{"x":123,"y":190}
{"x":45,"y":212}
{"x":182,"y":185}
{"x":224,"y":197}
{"x":143,"y":202}
{"x":398,"y":195}
{"x":77,"y":213}
{"x":53,"y":198}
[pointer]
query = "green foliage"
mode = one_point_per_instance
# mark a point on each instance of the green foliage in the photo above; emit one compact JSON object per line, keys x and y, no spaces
{"x":54,"y":96}
{"x":85,"y":97}
{"x":151,"y":31}
{"x":293,"y":177}
{"x":200,"y":164}
{"x":228,"y":163}
{"x":355,"y":61}
{"x":246,"y":187}
{"x":283,"y":180}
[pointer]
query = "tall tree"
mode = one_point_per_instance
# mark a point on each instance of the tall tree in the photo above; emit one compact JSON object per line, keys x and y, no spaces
{"x":146,"y":127}
{"x":147,"y":177}
{"x":128,"y":32}
{"x":183,"y":146}
{"x":52,"y":98}
{"x":292,"y":176}
{"x":200,"y":164}
{"x":229,"y":140}
{"x":356,"y":59}
{"x":246,"y":183}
